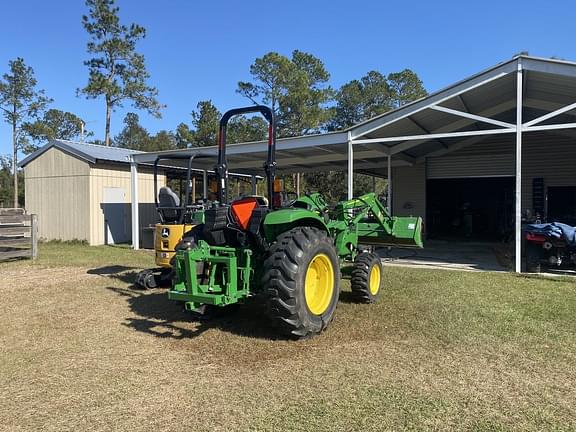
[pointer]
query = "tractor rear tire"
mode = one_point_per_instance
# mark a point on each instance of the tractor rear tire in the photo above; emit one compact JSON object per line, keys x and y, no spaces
{"x":366,"y":279}
{"x":301,"y":278}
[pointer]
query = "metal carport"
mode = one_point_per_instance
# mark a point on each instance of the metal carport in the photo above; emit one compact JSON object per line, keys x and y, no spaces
{"x":524,"y":95}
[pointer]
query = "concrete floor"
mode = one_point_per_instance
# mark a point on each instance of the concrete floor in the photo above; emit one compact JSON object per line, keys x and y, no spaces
{"x":467,"y":256}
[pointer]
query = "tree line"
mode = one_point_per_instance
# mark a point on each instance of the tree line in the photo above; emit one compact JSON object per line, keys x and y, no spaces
{"x":296,"y":87}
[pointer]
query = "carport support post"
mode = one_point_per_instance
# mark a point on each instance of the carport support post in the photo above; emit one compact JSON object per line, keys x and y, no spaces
{"x":350,"y":179}
{"x":134,"y":196}
{"x":298,"y":185}
{"x":253,"y":184}
{"x":518,"y":211}
{"x":389,"y":185}
{"x":193,"y":189}
{"x":204,"y":185}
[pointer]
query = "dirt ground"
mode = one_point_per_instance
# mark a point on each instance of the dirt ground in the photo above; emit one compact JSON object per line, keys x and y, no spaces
{"x":80,"y":349}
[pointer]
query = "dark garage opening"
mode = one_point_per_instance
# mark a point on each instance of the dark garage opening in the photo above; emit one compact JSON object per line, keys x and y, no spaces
{"x":480,"y":209}
{"x":562,"y":205}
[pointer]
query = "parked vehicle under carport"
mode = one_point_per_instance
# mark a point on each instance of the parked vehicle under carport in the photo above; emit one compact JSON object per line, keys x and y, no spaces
{"x":552,"y":245}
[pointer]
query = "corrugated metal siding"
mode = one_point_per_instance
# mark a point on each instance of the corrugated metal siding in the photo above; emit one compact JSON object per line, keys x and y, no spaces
{"x":549,"y":156}
{"x":103,"y":176}
{"x":554,"y":160}
{"x":491,"y":159}
{"x":409,"y":191}
{"x":56,"y":188}
{"x":552,"y":157}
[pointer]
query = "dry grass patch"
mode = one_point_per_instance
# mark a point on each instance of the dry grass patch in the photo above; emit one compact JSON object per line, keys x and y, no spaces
{"x":441,"y":351}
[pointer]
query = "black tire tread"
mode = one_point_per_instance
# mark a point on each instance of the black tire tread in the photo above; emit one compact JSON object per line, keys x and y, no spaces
{"x":360,"y":280}
{"x":280,"y":279}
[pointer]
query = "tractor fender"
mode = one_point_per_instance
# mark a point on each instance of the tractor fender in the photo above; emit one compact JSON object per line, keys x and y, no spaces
{"x":283,"y":220}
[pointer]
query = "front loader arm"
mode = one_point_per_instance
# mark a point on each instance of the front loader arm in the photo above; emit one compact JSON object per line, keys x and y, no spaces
{"x":356,"y":210}
{"x":365,"y":220}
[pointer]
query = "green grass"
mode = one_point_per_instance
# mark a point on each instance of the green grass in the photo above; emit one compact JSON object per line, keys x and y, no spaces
{"x":442,"y":350}
{"x":78,"y":254}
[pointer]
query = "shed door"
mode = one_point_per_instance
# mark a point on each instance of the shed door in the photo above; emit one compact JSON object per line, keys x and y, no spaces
{"x":115,"y":209}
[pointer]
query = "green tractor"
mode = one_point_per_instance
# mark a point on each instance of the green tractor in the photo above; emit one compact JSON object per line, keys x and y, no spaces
{"x":291,"y":256}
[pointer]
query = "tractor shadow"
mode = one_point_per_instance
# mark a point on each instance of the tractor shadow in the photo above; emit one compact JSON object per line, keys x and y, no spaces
{"x":347,"y":297}
{"x":119,"y":272}
{"x":157,"y":316}
{"x":163,"y":318}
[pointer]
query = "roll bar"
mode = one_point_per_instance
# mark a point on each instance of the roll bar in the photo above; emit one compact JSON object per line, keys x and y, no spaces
{"x":184,"y":203}
{"x":270,"y":164}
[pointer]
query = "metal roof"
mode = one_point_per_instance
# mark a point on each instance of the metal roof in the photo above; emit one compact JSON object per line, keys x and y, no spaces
{"x":467,"y":112}
{"x":249,"y":158}
{"x":462,"y":114}
{"x":91,"y":153}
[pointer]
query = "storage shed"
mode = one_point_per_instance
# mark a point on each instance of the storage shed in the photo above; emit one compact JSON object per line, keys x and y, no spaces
{"x":82,"y":192}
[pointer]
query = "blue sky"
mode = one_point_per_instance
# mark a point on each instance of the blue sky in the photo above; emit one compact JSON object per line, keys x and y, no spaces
{"x":198,"y":50}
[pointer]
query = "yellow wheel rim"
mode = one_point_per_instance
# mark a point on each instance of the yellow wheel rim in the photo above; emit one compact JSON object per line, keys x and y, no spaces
{"x":375,"y":279}
{"x":319,"y":284}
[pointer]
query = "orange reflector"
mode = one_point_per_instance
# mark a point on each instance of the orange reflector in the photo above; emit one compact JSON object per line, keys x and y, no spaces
{"x":242,"y":211}
{"x":278,"y":186}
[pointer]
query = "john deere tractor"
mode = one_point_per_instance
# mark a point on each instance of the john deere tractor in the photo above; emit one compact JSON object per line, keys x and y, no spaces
{"x":291,"y":256}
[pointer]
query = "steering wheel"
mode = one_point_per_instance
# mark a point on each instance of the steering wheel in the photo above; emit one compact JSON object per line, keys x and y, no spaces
{"x":290,"y":200}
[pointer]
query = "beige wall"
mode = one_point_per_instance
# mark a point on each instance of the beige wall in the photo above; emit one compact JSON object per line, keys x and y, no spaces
{"x":103,"y":176}
{"x":56,"y":189}
{"x":555,"y":161}
{"x":409,"y":191}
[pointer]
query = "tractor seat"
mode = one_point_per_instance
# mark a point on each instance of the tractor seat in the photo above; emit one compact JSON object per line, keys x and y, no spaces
{"x":168,"y":205}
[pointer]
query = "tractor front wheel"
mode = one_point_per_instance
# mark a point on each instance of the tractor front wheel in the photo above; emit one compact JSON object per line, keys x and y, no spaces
{"x":302,"y":279}
{"x":367,"y":278}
